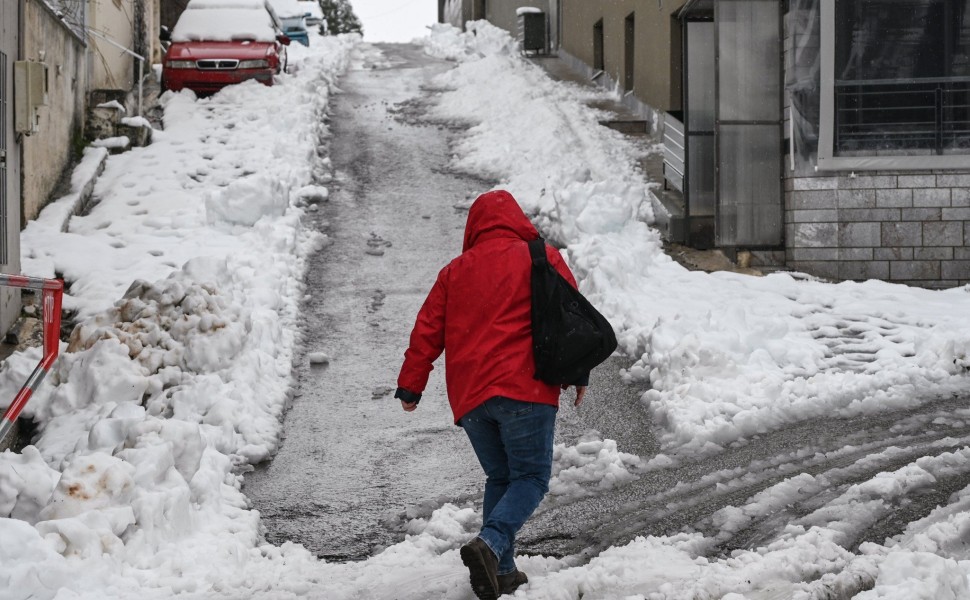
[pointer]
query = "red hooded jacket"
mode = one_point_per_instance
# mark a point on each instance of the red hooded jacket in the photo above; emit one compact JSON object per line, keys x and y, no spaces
{"x":479,"y":310}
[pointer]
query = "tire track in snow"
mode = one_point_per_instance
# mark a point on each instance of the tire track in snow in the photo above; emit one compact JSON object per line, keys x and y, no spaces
{"x":832,"y":454}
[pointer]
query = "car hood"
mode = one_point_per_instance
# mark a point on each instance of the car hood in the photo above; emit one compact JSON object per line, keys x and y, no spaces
{"x":203,"y":50}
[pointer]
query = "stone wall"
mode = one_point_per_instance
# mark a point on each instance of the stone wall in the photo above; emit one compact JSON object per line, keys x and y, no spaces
{"x":908,"y":228}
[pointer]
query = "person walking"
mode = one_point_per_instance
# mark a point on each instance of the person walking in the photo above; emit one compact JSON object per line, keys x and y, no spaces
{"x":479,"y":312}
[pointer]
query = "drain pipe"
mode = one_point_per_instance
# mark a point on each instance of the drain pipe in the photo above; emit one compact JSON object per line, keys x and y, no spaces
{"x":141,"y":63}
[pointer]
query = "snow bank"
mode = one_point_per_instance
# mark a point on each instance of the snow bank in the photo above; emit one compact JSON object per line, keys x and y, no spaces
{"x":186,"y":279}
{"x":769,"y":351}
{"x":726,"y":356}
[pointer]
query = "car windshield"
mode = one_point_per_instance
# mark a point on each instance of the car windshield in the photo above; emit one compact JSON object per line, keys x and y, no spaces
{"x":224,"y":25}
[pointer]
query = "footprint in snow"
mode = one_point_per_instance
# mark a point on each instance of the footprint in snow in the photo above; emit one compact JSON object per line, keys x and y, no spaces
{"x":376,"y":245}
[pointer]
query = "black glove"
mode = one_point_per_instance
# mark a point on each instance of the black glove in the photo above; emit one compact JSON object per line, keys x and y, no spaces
{"x":407,"y":396}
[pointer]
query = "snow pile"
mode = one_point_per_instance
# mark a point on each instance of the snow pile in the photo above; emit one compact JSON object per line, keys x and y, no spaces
{"x":26,"y":484}
{"x":245,"y":201}
{"x":173,"y":385}
{"x":112,"y":143}
{"x":918,"y":576}
{"x":727,"y":356}
{"x":592,"y":461}
{"x":770,"y":351}
{"x":478,"y":41}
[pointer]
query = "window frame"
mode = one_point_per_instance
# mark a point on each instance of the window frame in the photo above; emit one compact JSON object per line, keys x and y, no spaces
{"x":827,"y":160}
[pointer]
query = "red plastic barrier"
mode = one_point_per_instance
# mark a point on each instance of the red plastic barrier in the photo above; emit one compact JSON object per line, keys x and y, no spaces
{"x":52,"y":291}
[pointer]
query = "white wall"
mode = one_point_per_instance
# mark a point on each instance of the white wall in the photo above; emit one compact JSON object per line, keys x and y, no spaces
{"x":109,"y":66}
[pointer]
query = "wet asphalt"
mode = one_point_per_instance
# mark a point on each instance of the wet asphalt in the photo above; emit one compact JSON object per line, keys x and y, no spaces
{"x":352,"y":465}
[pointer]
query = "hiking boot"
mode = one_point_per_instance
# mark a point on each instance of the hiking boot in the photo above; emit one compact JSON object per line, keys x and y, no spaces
{"x":508,"y":583}
{"x":482,"y":569}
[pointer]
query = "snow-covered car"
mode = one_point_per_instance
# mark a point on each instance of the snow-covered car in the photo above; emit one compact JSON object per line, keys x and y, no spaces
{"x":216,"y":43}
{"x":293,"y":16}
{"x":314,"y":14}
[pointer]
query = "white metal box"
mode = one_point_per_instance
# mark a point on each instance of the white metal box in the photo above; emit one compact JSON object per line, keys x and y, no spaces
{"x":30,"y":93}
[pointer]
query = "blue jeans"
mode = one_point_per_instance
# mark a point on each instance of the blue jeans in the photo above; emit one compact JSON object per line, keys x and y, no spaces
{"x":513,"y":442}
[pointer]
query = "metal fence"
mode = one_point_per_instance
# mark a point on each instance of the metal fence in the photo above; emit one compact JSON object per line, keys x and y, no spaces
{"x":928,"y":115}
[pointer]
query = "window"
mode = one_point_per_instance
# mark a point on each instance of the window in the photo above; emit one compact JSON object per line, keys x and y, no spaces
{"x":896,"y":82}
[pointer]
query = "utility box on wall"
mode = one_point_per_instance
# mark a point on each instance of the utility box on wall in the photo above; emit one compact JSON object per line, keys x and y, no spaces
{"x":30,"y":93}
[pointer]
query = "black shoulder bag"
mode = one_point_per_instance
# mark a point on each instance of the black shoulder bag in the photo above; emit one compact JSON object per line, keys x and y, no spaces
{"x":569,"y":336}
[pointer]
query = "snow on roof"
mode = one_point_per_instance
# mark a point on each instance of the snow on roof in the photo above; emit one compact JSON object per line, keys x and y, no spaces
{"x":288,"y":8}
{"x":527,"y":9}
{"x":224,"y":24}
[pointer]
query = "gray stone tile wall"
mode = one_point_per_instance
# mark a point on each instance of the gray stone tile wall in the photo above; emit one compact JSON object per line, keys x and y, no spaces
{"x":911,"y":228}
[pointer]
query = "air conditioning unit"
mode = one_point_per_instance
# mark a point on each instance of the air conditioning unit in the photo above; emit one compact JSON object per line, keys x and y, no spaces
{"x":29,"y":94}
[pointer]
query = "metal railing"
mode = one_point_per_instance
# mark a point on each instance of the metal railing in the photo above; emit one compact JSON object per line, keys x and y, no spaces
{"x":674,"y":148}
{"x":930,"y":116}
{"x":52,"y":291}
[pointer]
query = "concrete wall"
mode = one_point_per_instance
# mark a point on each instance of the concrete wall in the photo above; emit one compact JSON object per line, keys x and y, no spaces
{"x":147,"y":42}
{"x":656,"y":81}
{"x":48,"y":152}
{"x":10,"y":17}
{"x":109,"y":66}
{"x":911,"y":228}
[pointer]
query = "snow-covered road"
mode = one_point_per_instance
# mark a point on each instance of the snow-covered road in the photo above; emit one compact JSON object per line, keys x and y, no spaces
{"x":790,"y":424}
{"x":353,"y":466}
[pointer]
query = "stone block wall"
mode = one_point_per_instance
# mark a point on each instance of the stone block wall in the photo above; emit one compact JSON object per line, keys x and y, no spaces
{"x":911,"y":228}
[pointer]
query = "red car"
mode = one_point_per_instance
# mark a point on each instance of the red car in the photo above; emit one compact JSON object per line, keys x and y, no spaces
{"x":216,"y":43}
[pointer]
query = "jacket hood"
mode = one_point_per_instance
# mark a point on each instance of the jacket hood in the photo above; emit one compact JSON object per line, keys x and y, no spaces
{"x":496,"y":214}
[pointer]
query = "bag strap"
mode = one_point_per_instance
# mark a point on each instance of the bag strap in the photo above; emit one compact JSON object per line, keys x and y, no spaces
{"x":537,"y":248}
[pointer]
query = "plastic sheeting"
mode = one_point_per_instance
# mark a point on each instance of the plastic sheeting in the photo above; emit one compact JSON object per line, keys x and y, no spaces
{"x":802,"y":77}
{"x":900,"y":78}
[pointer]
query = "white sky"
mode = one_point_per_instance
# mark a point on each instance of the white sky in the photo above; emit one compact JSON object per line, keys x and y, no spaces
{"x":395,"y":20}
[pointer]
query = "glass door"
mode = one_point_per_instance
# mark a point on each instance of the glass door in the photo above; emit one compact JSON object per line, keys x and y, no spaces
{"x":699,"y":102}
{"x":748,"y":129}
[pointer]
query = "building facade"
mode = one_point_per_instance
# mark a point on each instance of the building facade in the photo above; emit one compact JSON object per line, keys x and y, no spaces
{"x":11,"y":14}
{"x":878,"y":163}
{"x":826,"y":136}
{"x":49,"y":40}
{"x":504,"y":14}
